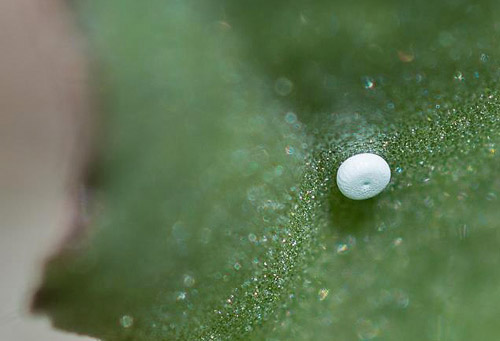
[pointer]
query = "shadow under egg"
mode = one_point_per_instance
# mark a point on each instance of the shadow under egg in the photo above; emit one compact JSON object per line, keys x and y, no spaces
{"x":349,"y":216}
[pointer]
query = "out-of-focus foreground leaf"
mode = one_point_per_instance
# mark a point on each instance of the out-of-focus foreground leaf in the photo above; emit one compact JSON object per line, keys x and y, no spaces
{"x":213,"y":207}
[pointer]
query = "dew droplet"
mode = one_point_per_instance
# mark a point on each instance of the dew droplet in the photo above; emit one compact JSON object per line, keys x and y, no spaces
{"x":283,"y":86}
{"x":126,"y":321}
{"x":290,"y":117}
{"x":368,"y":83}
{"x":491,"y":196}
{"x":181,"y":296}
{"x":323,"y":293}
{"x":342,"y":248}
{"x":382,"y":227}
{"x":406,"y":57}
{"x":188,"y":280}
{"x":459,"y":76}
{"x":398,"y":241}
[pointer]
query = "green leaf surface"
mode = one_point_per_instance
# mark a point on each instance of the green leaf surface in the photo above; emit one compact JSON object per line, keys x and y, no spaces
{"x":214,"y":212}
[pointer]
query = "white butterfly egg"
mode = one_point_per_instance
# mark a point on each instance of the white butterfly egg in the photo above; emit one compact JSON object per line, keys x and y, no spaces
{"x":363,"y":176}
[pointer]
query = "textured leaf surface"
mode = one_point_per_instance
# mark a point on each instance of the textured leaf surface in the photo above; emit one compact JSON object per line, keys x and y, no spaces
{"x":214,"y":212}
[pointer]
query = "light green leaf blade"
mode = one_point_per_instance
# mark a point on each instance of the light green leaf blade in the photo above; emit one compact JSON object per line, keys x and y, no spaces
{"x":215,"y":213}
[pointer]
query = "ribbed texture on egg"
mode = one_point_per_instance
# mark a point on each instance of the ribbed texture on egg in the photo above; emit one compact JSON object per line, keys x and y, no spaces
{"x":363,"y":176}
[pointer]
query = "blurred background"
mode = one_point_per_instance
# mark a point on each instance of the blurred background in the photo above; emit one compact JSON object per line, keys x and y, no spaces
{"x":42,"y":113}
